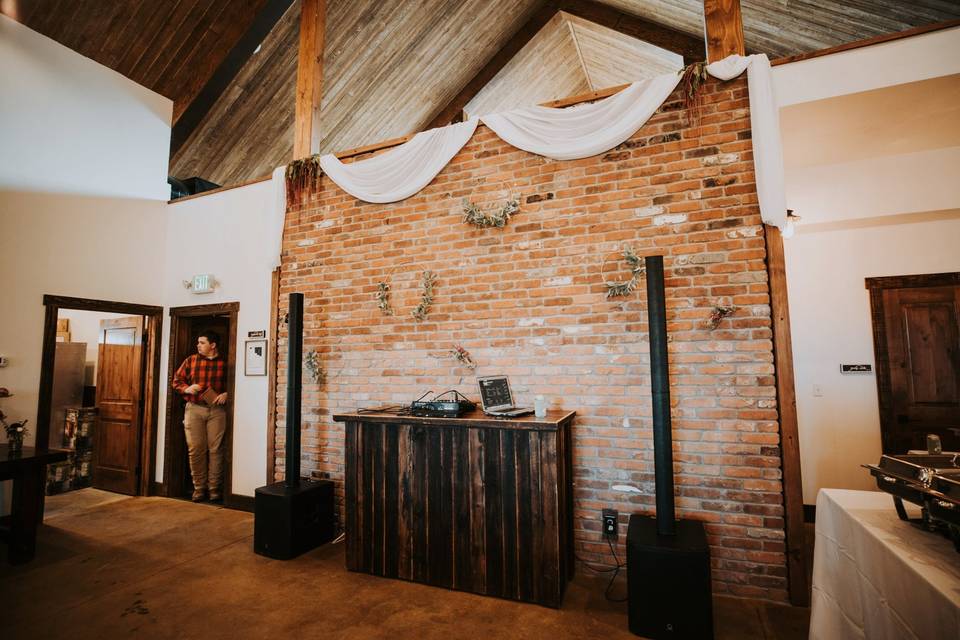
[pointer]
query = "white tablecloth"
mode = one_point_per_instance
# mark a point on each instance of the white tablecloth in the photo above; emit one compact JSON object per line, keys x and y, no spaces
{"x":875,"y":576}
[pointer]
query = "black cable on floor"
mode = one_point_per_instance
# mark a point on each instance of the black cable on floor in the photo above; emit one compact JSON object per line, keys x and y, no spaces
{"x":616,"y":572}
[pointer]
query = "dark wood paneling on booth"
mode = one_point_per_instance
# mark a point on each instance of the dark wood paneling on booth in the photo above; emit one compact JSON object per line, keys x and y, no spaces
{"x":473,"y":505}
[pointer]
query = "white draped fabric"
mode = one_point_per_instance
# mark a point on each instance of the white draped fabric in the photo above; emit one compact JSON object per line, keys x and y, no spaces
{"x":568,"y":134}
{"x":765,"y":125}
{"x":586,"y":130}
{"x":402,"y":171}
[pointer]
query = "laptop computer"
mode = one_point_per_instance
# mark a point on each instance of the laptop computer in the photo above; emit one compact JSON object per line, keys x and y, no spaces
{"x":496,"y":398}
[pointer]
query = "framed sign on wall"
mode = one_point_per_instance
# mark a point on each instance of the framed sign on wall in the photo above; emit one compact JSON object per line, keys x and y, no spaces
{"x":255,"y":358}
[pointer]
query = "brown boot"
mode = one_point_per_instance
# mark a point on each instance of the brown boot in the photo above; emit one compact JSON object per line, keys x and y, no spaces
{"x":199,"y":495}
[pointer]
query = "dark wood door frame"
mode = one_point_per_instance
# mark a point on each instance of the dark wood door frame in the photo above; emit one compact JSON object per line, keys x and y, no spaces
{"x":174,"y":441}
{"x":151,"y":386}
{"x":876,"y":287}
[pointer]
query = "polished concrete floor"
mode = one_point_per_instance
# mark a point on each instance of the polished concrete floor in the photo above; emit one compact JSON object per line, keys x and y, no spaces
{"x":109,"y":567}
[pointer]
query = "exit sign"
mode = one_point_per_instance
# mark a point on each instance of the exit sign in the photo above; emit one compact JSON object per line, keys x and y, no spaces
{"x":203,"y":283}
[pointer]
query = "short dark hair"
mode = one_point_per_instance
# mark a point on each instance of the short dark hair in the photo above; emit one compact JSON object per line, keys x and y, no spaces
{"x":211,"y":336}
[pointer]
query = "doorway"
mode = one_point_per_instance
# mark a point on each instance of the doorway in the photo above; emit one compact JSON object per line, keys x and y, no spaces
{"x":916,"y":339}
{"x":186,"y":323}
{"x":107,"y":416}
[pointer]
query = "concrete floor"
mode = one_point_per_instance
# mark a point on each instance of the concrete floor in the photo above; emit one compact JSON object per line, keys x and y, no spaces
{"x":109,"y":566}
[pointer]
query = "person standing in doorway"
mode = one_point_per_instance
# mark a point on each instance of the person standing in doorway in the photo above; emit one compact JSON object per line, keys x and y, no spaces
{"x":202,"y":381}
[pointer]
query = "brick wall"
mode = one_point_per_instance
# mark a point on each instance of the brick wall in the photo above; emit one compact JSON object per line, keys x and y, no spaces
{"x":529,"y":301}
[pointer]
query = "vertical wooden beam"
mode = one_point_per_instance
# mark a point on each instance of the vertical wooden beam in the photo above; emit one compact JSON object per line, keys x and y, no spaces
{"x":723,"y":29}
{"x":313,"y":22}
{"x":272,"y":351}
{"x":787,"y":404}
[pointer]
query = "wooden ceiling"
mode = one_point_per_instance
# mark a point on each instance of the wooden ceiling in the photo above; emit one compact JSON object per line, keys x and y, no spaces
{"x":391,"y":66}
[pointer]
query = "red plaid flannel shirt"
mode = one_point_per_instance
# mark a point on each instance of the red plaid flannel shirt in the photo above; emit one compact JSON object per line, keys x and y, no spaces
{"x":207,"y":372}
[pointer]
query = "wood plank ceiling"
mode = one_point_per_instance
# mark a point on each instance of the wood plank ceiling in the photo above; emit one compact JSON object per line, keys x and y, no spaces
{"x":392,"y":65}
{"x":169,"y":47}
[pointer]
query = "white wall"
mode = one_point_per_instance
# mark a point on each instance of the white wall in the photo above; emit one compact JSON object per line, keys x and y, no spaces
{"x":85,"y":327}
{"x":79,"y":246}
{"x":892,"y":211}
{"x":931,"y":55}
{"x":830,"y":324}
{"x":228,"y":234}
{"x":71,"y":125}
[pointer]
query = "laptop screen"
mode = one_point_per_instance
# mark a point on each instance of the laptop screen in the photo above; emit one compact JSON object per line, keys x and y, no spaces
{"x":495,"y":392}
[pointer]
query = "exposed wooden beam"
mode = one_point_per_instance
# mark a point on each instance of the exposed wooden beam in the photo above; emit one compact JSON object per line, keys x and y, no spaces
{"x":584,"y":97}
{"x":789,"y":432}
{"x":194,"y":114}
{"x":690,"y":47}
{"x":723,"y":29}
{"x":452,"y":110}
{"x":313,"y":27}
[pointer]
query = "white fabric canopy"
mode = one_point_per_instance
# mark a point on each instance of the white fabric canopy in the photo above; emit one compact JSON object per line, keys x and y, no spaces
{"x":569,"y":134}
{"x":765,"y":125}
{"x":402,"y":171}
{"x":587,"y":130}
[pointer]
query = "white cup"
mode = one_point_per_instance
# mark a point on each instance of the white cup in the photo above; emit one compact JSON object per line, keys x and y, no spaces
{"x":540,"y":406}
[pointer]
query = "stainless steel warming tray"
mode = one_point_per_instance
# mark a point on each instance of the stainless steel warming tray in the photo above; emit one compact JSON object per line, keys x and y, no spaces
{"x":930,"y":481}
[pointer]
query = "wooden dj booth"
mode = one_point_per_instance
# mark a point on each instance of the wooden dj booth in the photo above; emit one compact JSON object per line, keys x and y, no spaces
{"x":471,"y":503}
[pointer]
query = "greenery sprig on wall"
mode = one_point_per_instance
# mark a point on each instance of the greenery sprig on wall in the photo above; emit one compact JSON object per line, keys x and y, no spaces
{"x":383,"y":298}
{"x":637,"y":269}
{"x":499,"y":219}
{"x":426,"y":297}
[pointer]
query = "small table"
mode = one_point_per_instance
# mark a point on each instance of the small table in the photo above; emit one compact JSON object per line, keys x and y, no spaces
{"x":876,"y":576}
{"x":27,"y":469}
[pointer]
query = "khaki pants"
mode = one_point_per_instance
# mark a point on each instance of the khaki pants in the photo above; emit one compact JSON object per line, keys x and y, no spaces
{"x":204,"y":426}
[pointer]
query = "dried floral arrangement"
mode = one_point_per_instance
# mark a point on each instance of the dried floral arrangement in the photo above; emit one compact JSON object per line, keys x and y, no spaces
{"x":427,"y":281}
{"x":311,"y":363}
{"x":459,"y":354}
{"x":462,"y":356}
{"x":718,"y":314}
{"x":637,"y":269}
{"x":691,"y":85}
{"x":383,"y":298}
{"x":301,"y":175}
{"x":473,"y":215}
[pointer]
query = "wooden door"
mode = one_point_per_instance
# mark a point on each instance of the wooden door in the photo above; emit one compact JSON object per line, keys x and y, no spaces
{"x":922,"y":342}
{"x":120,"y":371}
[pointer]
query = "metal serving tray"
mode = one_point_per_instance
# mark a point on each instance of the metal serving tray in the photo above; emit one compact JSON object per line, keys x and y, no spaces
{"x":930,"y":481}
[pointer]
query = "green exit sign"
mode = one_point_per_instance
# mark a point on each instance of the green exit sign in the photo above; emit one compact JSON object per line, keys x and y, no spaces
{"x":203,"y":283}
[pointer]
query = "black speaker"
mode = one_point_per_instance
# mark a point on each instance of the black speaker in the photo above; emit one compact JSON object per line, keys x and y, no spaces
{"x":289,"y":520}
{"x":668,"y":580}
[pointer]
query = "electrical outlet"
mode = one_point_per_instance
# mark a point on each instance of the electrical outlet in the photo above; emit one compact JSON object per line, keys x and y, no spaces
{"x":610,"y":524}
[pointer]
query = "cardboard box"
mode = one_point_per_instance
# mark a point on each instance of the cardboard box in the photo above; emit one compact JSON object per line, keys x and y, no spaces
{"x":63,"y":324}
{"x":63,"y":336}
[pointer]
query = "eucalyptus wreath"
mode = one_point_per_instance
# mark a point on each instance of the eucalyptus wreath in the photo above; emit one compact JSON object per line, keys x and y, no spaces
{"x":427,"y":282}
{"x":473,"y":215}
{"x":637,"y":269}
